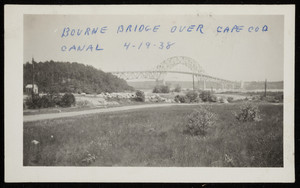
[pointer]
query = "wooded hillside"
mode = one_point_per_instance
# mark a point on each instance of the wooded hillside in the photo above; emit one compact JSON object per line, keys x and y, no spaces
{"x":64,"y":77}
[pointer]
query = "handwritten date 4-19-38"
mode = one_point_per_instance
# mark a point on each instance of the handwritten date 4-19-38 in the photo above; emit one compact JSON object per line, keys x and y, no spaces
{"x":148,"y":45}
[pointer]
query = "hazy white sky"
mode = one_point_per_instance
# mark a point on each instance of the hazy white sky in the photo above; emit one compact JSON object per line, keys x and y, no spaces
{"x":244,"y":55}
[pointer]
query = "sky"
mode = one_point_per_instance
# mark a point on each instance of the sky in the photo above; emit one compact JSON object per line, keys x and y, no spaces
{"x":236,"y":56}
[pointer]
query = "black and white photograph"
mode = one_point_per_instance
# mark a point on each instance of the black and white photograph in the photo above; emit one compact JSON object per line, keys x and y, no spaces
{"x":175,"y":87}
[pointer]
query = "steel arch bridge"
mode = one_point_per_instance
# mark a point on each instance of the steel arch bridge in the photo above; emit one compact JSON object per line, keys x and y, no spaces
{"x":161,"y":70}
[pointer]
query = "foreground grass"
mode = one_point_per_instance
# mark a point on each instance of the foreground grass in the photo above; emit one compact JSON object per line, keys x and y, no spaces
{"x":156,"y":137}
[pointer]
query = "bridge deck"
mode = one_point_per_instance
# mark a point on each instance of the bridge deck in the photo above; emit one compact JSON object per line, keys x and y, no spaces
{"x":205,"y":76}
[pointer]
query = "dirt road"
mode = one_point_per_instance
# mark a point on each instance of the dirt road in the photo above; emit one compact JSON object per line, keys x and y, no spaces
{"x":28,"y":118}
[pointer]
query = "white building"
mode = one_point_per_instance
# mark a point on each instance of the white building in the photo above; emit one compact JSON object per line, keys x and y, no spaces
{"x":29,"y":88}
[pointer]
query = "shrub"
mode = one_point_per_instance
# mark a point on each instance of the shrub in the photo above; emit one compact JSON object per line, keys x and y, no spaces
{"x":192,"y":96}
{"x":207,"y":96}
{"x":140,"y":96}
{"x":50,"y":100}
{"x":36,"y":101}
{"x":181,"y":99}
{"x":177,"y":88}
{"x":230,"y":99}
{"x":212,"y":98}
{"x":33,"y":101}
{"x":56,"y":98}
{"x":67,"y":100}
{"x":161,"y":89}
{"x":165,"y":89}
{"x":222,"y":100}
{"x":200,"y":120}
{"x":156,"y":89}
{"x":46,"y":101}
{"x":204,"y":95}
{"x":272,"y":99}
{"x":177,"y":97}
{"x":279,"y":97}
{"x":248,"y":112}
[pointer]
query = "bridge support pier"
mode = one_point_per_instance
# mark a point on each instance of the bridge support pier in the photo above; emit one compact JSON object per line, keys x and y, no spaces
{"x":204,"y":85}
{"x":241,"y":85}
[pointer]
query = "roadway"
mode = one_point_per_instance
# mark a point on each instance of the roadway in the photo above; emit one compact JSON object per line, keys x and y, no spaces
{"x":38,"y":117}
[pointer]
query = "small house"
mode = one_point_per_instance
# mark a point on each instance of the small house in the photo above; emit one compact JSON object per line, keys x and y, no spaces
{"x":31,"y":88}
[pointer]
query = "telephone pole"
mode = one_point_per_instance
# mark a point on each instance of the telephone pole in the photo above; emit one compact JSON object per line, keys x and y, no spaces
{"x":266,"y":88}
{"x":32,"y":91}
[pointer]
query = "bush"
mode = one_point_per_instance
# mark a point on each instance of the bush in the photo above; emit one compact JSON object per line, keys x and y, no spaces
{"x":50,"y":100}
{"x":46,"y":101}
{"x":200,"y":120}
{"x":140,"y":96}
{"x":248,"y":112}
{"x":161,"y":89}
{"x":192,"y":96}
{"x":56,"y":98}
{"x":222,"y":100}
{"x":181,"y":99}
{"x":204,"y":95}
{"x":207,"y":96}
{"x":230,"y":99}
{"x":279,"y":97}
{"x":177,"y":88}
{"x":212,"y":98}
{"x":67,"y":100}
{"x":36,"y":101}
{"x":165,"y":89}
{"x":156,"y":89}
{"x":33,"y":101}
{"x":272,"y":99}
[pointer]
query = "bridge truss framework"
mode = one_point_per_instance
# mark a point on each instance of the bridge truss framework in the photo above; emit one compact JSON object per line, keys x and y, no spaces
{"x":165,"y":67}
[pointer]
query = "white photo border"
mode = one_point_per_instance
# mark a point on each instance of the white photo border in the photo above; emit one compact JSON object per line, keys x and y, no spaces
{"x":16,"y":172}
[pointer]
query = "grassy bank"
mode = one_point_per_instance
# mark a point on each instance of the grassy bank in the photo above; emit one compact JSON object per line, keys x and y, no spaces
{"x":156,"y":137}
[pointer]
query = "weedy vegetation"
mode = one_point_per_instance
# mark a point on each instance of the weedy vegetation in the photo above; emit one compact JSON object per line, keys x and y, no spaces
{"x":159,"y":137}
{"x":248,"y":112}
{"x":200,"y":120}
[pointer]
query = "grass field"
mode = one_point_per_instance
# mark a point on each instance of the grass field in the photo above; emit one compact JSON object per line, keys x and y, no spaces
{"x":156,"y":137}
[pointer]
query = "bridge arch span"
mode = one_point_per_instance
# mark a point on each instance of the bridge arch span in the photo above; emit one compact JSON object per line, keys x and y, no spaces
{"x":171,"y":62}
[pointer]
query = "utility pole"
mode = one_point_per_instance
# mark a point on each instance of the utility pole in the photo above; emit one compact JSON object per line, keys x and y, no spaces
{"x":32,"y":91}
{"x":266,"y":88}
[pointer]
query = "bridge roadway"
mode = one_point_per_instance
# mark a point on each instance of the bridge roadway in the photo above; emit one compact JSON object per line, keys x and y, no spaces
{"x":127,"y":75}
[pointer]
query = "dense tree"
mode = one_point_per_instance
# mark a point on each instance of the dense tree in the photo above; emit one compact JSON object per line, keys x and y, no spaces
{"x":53,"y":77}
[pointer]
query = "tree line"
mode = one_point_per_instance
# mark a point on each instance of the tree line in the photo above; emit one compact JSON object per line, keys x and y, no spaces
{"x":66,"y":77}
